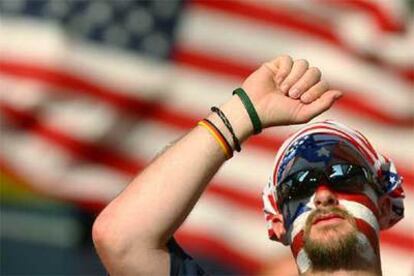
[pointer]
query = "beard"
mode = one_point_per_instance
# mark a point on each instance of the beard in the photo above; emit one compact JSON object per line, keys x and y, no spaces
{"x":335,"y":246}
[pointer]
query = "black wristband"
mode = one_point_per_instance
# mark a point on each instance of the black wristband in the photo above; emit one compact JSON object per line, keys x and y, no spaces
{"x":229,"y":127}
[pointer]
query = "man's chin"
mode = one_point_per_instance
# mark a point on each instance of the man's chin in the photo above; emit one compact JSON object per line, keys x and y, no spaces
{"x":333,"y":251}
{"x":331,"y":243}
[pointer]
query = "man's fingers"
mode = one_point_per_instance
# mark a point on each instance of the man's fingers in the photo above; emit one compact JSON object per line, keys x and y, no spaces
{"x":310,"y":78}
{"x":320,"y":105}
{"x":314,"y":92}
{"x":283,"y":66}
{"x":299,"y":68}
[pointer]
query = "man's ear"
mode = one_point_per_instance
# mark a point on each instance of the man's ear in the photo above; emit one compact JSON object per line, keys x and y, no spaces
{"x":384,"y":208}
{"x":278,"y":227}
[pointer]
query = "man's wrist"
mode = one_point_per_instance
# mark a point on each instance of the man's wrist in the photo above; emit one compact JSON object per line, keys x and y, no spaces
{"x":238,"y":117}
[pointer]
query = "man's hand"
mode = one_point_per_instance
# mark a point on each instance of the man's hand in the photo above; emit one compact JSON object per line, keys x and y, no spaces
{"x":288,"y":92}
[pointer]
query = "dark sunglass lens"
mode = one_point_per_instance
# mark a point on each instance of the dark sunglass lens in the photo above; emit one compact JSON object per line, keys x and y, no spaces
{"x":284,"y":189}
{"x":348,"y":178}
{"x":302,"y":184}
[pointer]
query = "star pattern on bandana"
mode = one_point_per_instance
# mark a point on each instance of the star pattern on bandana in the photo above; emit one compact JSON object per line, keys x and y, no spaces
{"x":290,"y":154}
{"x":393,"y":180}
{"x":323,"y":152}
{"x":311,"y":148}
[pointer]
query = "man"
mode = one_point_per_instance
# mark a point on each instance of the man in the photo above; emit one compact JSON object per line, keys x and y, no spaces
{"x":328,"y":197}
{"x":304,"y":200}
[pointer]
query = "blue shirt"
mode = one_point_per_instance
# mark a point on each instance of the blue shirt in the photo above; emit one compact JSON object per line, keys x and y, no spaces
{"x":182,"y":264}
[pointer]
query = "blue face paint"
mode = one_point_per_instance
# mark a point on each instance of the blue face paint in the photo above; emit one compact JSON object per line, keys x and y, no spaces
{"x":289,"y":219}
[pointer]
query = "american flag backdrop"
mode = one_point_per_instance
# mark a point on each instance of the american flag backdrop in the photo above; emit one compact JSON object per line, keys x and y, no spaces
{"x":92,"y":90}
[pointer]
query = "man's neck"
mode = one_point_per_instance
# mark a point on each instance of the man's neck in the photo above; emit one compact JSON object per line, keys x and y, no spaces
{"x":343,"y":273}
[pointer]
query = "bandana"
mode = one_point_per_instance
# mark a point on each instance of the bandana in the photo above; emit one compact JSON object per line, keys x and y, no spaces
{"x":315,"y":144}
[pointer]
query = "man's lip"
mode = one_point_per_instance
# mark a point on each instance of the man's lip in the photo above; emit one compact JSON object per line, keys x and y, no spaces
{"x":326,"y":217}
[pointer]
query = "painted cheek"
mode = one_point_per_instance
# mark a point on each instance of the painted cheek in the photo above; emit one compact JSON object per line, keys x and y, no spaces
{"x":361,"y":199}
{"x":297,"y":244}
{"x":293,"y":209}
{"x":369,"y":232}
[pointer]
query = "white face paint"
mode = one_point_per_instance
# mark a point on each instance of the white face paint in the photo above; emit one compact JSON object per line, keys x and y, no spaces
{"x":296,"y":213}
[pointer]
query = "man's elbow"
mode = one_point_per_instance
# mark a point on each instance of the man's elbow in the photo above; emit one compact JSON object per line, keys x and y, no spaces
{"x":111,"y":246}
{"x":101,"y":234}
{"x":120,"y":253}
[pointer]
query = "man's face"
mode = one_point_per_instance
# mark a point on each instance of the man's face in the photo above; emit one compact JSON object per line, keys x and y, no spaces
{"x":330,"y":228}
{"x":328,"y":203}
{"x":330,"y":234}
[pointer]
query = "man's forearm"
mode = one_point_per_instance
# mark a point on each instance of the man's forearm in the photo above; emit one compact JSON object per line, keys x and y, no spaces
{"x":157,"y":201}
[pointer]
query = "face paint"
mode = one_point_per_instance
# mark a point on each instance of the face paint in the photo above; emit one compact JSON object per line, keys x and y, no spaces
{"x":319,"y":146}
{"x":330,"y":246}
{"x":366,"y":197}
{"x":361,"y":221}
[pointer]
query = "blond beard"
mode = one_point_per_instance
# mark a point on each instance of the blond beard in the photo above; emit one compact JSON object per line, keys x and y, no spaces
{"x":338,"y":247}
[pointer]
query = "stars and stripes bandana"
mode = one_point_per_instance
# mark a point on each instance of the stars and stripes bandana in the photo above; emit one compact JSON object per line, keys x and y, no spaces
{"x":322,"y":137}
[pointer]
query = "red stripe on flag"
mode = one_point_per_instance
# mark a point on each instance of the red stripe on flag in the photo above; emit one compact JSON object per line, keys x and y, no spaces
{"x":305,"y":24}
{"x":405,"y":241}
{"x":352,"y":104}
{"x":215,"y":64}
{"x":375,"y":10}
{"x":249,"y":201}
{"x":407,"y":174}
{"x":80,"y":149}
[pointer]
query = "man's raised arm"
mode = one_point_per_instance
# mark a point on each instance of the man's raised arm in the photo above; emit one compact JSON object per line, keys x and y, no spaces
{"x":131,"y":233}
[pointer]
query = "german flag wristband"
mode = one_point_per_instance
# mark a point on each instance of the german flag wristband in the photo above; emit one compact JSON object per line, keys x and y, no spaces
{"x":218,"y":136}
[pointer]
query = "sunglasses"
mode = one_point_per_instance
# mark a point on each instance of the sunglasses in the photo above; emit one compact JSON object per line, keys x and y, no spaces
{"x":346,"y":178}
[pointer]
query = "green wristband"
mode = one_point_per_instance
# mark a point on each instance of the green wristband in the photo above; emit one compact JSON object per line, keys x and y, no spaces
{"x":254,"y":117}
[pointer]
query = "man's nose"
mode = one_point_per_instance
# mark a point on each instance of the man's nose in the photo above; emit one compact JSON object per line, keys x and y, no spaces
{"x":325,"y":197}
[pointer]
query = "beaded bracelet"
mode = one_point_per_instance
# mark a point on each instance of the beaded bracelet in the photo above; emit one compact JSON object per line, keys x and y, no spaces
{"x":229,"y":127}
